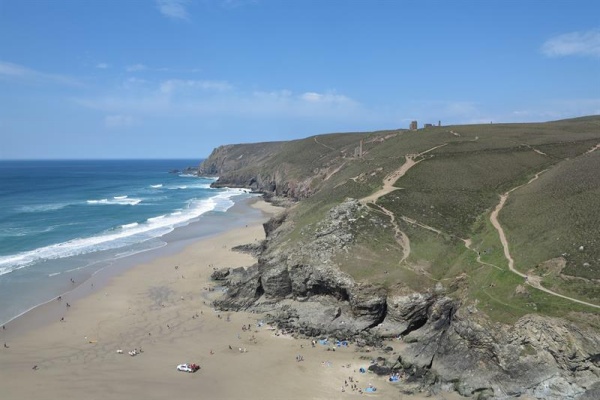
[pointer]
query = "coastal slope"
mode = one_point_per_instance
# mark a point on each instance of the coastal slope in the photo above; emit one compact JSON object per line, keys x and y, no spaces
{"x":391,"y":234}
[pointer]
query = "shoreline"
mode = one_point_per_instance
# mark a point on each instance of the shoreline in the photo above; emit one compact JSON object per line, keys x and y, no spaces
{"x":202,"y":228}
{"x":163,"y":306}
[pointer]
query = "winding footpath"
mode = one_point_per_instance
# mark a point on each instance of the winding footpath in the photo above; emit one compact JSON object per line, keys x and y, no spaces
{"x":388,"y":187}
{"x":596,"y":147}
{"x":403,"y":240}
{"x":389,"y":180}
{"x":531,"y":280}
{"x":323,"y":144}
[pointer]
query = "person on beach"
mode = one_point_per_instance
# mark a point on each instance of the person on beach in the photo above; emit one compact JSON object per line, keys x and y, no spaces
{"x":5,"y":345}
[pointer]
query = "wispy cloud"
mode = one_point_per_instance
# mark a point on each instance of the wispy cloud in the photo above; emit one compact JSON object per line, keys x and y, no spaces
{"x":136,"y":67}
{"x":330,"y":97}
{"x":102,"y":66}
{"x":574,"y":44}
{"x":560,"y":109}
{"x":172,"y":85}
{"x":220,"y":99}
{"x":119,"y":121}
{"x":133,"y":83}
{"x":143,"y":67}
{"x":173,"y":8}
{"x":15,"y":72}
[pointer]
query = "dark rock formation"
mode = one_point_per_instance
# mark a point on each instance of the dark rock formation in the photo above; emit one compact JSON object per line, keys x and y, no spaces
{"x":244,"y":166}
{"x":447,"y":344}
{"x":220,"y":274}
{"x":540,"y":357}
{"x":243,"y":289}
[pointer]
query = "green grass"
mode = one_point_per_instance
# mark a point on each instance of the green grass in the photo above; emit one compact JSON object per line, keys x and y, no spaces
{"x":561,"y":214}
{"x":454,"y":188}
{"x":495,"y":290}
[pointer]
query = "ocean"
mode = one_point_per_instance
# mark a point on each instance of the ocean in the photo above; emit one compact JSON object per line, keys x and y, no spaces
{"x":62,"y":221}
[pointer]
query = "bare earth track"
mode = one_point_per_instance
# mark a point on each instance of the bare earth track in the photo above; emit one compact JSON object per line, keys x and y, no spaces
{"x":403,"y":240}
{"x":388,"y":187}
{"x":531,"y":280}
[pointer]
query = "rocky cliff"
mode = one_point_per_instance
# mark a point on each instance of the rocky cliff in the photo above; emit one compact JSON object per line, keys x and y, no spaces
{"x":248,"y":166}
{"x":466,"y":321}
{"x":446,"y":344}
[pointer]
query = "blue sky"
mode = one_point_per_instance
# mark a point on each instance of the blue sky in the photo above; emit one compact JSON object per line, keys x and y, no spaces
{"x":176,"y":78}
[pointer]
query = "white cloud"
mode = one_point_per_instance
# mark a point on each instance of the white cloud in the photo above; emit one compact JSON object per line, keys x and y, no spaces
{"x":118,"y":121}
{"x":173,"y":8}
{"x":133,"y":82}
{"x":459,"y":108}
{"x":21,"y":73}
{"x":220,"y":99}
{"x":172,"y":85}
{"x":136,"y":67}
{"x":314,"y":97}
{"x":9,"y":69}
{"x":102,"y":66}
{"x":575,"y":43}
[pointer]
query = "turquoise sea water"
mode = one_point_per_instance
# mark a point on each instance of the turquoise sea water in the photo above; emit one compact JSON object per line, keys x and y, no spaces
{"x":62,"y":219}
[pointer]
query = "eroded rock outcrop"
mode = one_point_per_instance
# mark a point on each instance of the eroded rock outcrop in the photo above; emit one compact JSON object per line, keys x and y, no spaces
{"x":243,"y":166}
{"x":541,"y":357}
{"x":446,"y":344}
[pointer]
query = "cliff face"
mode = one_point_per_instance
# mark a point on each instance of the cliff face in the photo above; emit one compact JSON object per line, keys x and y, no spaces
{"x":323,"y":269}
{"x":249,"y":166}
{"x":446,"y":343}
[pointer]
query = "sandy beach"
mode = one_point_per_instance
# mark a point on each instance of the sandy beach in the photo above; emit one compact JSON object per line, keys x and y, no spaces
{"x":161,"y":309}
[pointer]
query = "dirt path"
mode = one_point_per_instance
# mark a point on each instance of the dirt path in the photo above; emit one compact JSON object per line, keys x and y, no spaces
{"x":388,"y":187}
{"x":323,"y":144}
{"x":496,"y":224}
{"x":429,"y":228}
{"x":531,"y":280}
{"x":400,"y":236}
{"x":468,"y":243}
{"x":335,"y":171}
{"x":596,"y":147}
{"x":389,"y":180}
{"x":535,"y":150}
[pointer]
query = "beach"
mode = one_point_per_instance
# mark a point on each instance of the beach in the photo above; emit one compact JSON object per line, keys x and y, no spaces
{"x":78,"y":347}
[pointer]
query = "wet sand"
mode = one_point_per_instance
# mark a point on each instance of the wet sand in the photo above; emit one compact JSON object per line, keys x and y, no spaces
{"x":162,"y":307}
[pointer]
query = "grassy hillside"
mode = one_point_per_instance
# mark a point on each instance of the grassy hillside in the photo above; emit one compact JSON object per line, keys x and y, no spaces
{"x":447,"y":197}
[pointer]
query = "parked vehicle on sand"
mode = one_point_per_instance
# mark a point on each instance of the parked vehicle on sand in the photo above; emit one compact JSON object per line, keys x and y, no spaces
{"x":188,"y":367}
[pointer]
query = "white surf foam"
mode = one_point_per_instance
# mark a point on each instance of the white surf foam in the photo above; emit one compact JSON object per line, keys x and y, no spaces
{"x":42,"y":207}
{"x":129,"y":234}
{"x":190,"y":186}
{"x":25,"y":231}
{"x":129,"y":226}
{"x":156,"y":186}
{"x":117,"y":200}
